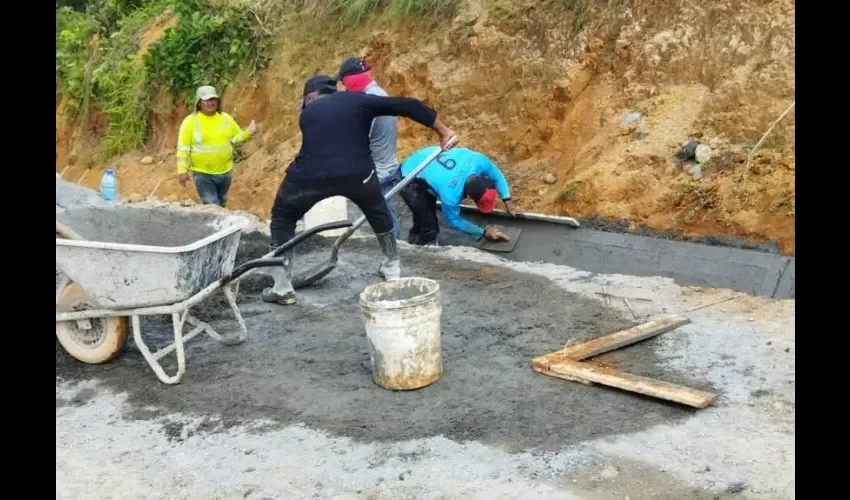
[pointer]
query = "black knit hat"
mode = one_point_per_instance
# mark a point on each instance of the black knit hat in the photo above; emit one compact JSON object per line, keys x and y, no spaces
{"x":322,"y":84}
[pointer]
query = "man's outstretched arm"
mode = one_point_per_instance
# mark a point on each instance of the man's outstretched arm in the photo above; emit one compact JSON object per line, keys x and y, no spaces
{"x":407,"y":107}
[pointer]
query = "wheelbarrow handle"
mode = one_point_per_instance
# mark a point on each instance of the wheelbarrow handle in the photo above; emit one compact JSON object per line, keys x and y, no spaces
{"x":273,"y":259}
{"x":303,"y":235}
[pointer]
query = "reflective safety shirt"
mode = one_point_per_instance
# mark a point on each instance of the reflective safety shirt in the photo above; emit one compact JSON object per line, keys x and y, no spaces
{"x":205,"y":143}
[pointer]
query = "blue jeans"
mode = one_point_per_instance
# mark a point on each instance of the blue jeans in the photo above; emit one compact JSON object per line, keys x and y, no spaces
{"x":386,"y":185}
{"x":212,"y":189}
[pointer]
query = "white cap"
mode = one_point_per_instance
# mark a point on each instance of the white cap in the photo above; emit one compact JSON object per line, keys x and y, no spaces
{"x":204,"y":93}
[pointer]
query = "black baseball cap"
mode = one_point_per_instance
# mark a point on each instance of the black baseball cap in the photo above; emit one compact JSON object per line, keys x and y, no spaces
{"x":322,"y":84}
{"x":352,"y":66}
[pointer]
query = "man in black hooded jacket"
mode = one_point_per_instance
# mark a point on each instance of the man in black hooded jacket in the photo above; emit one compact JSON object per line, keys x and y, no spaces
{"x":335,"y":160}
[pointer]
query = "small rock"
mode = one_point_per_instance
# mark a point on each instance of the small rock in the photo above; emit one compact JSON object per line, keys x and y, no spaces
{"x":702,"y":153}
{"x":714,"y":142}
{"x":550,"y":179}
{"x":769,"y":342}
{"x":787,"y":349}
{"x":187,"y":203}
{"x":736,"y":487}
{"x":695,"y":171}
{"x":688,"y":150}
{"x":541,"y":192}
{"x":595,"y":45}
{"x":147,"y":160}
{"x":135,"y":198}
{"x":630,"y":118}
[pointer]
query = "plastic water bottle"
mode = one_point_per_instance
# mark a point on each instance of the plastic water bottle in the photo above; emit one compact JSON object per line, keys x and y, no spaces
{"x":109,"y":185}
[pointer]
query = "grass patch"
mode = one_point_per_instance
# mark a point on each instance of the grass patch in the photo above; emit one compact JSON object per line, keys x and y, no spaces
{"x":695,"y":201}
{"x":348,"y":14}
{"x":568,"y":192}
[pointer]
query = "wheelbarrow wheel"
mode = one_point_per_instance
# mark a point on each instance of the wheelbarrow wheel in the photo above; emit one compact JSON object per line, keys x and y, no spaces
{"x":93,"y":341}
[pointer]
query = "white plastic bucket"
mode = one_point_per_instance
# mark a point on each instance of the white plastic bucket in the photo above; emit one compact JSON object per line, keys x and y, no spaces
{"x":403,"y":319}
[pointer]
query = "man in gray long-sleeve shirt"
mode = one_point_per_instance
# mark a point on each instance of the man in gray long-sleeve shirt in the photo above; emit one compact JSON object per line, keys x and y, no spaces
{"x":383,"y":136}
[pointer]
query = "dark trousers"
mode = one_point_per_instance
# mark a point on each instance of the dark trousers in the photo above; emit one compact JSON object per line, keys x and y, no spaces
{"x":213,"y":189}
{"x":296,"y":198}
{"x":423,"y":205}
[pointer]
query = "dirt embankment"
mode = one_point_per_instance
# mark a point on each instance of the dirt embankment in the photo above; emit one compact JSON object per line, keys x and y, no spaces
{"x":546,"y":102}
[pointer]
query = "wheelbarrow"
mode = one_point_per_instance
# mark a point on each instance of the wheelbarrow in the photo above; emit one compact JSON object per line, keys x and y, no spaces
{"x":116,"y":263}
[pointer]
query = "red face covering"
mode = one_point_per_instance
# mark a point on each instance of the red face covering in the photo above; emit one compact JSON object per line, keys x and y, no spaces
{"x":356,"y":83}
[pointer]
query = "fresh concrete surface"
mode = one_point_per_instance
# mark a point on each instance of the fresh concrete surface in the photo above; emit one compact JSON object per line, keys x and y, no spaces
{"x":289,"y":415}
{"x":754,"y":272}
{"x":293,"y":414}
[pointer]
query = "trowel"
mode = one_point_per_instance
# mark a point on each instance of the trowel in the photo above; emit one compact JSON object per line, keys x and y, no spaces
{"x":511,"y":234}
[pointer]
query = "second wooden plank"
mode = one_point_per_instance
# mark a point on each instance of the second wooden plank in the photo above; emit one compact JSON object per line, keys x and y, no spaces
{"x":613,"y":341}
{"x":569,"y":369}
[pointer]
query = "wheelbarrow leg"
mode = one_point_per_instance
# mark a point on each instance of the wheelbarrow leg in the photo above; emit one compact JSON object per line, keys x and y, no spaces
{"x":177,"y":320}
{"x":231,"y":299}
{"x":206,"y":327}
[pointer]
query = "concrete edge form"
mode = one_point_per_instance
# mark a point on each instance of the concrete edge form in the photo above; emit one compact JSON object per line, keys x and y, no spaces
{"x":687,"y":263}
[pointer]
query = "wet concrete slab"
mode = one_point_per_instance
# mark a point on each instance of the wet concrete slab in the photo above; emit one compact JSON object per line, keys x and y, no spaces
{"x":755,"y":272}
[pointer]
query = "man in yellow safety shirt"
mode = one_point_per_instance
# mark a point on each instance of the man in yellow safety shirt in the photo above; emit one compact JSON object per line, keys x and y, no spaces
{"x":205,"y":146}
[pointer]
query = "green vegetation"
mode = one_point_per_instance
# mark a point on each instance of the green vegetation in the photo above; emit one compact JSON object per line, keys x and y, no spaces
{"x":207,"y":46}
{"x":351,"y":13}
{"x":98,"y":65}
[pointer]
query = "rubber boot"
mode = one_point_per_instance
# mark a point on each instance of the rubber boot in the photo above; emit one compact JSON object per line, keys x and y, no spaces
{"x":391,"y":267}
{"x":282,"y":292}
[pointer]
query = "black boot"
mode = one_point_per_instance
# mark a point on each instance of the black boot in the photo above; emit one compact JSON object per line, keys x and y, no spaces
{"x":282,"y":292}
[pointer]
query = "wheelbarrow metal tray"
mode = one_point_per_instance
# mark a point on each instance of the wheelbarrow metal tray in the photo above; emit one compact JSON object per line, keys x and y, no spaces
{"x":139,"y":257}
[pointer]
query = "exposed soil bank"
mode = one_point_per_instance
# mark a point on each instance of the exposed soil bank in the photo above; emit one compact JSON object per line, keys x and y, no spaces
{"x":309,"y":363}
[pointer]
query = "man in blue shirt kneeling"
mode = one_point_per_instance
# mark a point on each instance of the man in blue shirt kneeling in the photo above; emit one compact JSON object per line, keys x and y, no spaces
{"x":455,"y":174}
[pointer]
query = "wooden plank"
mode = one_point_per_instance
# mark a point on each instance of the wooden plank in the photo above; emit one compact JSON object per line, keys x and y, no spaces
{"x":641,"y":385}
{"x":560,"y":376}
{"x":613,"y":341}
